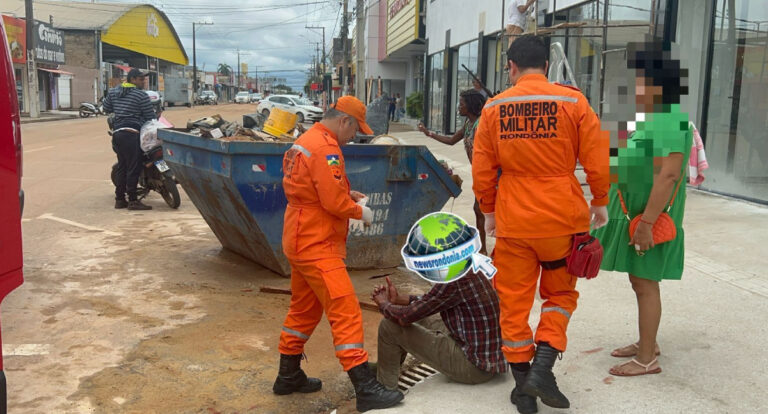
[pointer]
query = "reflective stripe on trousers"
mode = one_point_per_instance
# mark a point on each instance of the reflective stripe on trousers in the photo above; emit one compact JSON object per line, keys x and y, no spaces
{"x":348,"y":346}
{"x":295,"y":333}
{"x":557,"y":309}
{"x":518,"y":344}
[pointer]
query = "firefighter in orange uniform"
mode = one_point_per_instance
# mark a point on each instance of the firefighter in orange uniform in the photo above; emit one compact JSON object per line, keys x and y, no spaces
{"x":534,"y":133}
{"x":320,"y":205}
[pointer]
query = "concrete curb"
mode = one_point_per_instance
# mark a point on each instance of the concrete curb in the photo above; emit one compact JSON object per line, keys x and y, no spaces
{"x":47,"y":119}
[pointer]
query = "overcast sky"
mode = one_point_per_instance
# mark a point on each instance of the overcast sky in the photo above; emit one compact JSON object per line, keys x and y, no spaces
{"x":269,"y":33}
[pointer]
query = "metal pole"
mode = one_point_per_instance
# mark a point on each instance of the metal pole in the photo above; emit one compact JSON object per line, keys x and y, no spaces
{"x":238,"y":69}
{"x":34,"y":101}
{"x":360,"y":51}
{"x":194,"y":62}
{"x":344,"y":36}
{"x":602,"y":56}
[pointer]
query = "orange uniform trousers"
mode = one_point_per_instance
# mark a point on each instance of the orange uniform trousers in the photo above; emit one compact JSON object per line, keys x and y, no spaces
{"x":317,"y":286}
{"x":519,"y":265}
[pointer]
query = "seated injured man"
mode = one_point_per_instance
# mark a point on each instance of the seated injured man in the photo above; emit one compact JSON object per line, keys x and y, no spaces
{"x":467,"y":349}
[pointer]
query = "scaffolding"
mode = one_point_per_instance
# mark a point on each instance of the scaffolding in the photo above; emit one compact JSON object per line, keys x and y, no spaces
{"x":560,"y":68}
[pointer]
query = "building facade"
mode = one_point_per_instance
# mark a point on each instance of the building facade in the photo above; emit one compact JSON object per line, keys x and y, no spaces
{"x":395,"y":45}
{"x":78,"y":59}
{"x":723,"y":43}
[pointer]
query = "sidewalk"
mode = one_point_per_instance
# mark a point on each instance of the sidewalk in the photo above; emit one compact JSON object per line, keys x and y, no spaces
{"x":48,"y":116}
{"x":712,"y":332}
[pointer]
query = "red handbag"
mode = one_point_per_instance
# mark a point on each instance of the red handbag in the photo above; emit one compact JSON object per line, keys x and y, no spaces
{"x":664,"y":229}
{"x":586,"y":256}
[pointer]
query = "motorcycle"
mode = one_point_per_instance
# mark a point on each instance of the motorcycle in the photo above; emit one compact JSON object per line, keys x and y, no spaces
{"x":87,"y":109}
{"x":155,"y":175}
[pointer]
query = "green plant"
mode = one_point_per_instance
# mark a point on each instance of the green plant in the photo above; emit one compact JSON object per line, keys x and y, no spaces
{"x":415,"y":105}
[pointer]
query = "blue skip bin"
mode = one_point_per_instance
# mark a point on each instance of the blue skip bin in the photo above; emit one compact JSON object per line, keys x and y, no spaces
{"x":237,"y":187}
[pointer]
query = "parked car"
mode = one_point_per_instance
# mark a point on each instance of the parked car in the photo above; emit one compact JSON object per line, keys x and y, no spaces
{"x":255,"y":97}
{"x":207,"y":98}
{"x":11,"y":194}
{"x":302,"y":107}
{"x":242,"y":97}
{"x":156,"y":99}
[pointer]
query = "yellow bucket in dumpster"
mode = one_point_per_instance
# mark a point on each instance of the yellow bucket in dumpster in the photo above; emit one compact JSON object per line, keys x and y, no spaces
{"x":280,"y":122}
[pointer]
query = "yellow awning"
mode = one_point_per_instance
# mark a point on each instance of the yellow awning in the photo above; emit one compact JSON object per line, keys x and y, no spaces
{"x":146,"y":30}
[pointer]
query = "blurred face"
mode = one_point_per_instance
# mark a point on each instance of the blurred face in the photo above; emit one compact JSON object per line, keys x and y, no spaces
{"x":463,"y":111}
{"x":646,"y":94}
{"x":347,"y":129}
{"x":139,"y":82}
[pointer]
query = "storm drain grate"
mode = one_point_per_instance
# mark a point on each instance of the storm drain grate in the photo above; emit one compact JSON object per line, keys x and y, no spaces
{"x":414,"y":375}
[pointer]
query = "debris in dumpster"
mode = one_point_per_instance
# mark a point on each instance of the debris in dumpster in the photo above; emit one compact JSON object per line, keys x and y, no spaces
{"x":385,"y":139}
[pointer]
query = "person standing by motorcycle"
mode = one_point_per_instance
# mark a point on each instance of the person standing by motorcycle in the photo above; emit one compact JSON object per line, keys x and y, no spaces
{"x":131,"y":108}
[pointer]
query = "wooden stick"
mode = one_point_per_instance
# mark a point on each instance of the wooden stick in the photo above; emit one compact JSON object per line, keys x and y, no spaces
{"x":267,"y":289}
{"x":363,"y":305}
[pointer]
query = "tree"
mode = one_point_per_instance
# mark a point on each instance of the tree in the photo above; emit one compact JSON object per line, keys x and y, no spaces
{"x":225,"y":69}
{"x":283,"y":88}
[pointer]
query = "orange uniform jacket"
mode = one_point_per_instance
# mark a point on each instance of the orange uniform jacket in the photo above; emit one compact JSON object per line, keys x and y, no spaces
{"x":535,"y":132}
{"x":319,"y":205}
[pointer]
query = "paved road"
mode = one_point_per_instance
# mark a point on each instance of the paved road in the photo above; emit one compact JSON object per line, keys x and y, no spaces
{"x":141,"y":311}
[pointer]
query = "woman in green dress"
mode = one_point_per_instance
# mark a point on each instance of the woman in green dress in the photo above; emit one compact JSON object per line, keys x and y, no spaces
{"x":647,"y":170}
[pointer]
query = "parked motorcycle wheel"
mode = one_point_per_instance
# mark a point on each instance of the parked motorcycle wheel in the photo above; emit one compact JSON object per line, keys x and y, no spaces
{"x":113,"y":176}
{"x":84,"y":113}
{"x":169,"y":191}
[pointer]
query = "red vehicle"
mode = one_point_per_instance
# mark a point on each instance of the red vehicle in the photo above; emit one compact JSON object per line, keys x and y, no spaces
{"x":11,"y":195}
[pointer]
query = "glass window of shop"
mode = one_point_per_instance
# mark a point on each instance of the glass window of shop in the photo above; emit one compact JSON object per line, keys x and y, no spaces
{"x":435,"y":117}
{"x":736,"y":122}
{"x":467,"y":56}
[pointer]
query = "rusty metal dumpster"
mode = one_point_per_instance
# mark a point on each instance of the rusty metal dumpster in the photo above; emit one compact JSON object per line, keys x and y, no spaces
{"x":237,"y":187}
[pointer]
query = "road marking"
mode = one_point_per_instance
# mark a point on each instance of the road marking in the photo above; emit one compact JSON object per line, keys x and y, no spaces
{"x":25,"y":220}
{"x":26,"y":349}
{"x":26,"y":151}
{"x":48,"y":216}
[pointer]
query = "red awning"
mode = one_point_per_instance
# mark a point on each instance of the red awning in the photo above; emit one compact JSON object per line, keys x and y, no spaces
{"x":60,"y":72}
{"x":125,"y":69}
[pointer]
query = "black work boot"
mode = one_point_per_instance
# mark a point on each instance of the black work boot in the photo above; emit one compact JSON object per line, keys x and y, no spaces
{"x":371,"y":395}
{"x":526,"y":404}
{"x":121,"y":203}
{"x":541,"y":381}
{"x":291,"y":378}
{"x":138,"y":205}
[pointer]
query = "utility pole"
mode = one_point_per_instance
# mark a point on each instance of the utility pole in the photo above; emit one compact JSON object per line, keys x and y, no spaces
{"x":194,"y":56}
{"x":323,"y":68}
{"x":238,"y":69}
{"x":34,"y":98}
{"x":360,"y":50}
{"x":323,"y":28}
{"x":345,"y":62}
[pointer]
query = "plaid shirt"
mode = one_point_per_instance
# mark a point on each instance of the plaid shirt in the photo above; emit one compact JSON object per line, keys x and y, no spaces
{"x":469,"y":308}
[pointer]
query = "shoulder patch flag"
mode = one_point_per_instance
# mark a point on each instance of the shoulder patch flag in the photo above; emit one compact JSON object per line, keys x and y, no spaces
{"x":333,"y":160}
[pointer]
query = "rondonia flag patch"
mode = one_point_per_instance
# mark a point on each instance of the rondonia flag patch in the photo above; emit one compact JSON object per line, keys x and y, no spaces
{"x":333,"y":160}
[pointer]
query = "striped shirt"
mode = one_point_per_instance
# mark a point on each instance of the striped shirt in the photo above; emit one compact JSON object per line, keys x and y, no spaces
{"x":469,"y":308}
{"x":130,"y":105}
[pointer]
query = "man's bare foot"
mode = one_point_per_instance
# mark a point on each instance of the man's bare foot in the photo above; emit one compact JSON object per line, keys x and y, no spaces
{"x":630,"y":351}
{"x":634,"y":367}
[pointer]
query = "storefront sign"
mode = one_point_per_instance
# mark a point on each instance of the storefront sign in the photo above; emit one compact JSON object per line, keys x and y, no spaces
{"x":402,"y":24}
{"x":49,"y":44}
{"x":16,"y":32}
{"x":395,"y":7}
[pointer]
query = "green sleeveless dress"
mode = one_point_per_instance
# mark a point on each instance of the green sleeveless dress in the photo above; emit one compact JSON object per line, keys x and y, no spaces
{"x":632,"y":171}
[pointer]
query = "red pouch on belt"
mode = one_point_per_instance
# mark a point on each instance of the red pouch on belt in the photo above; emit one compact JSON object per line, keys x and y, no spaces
{"x":586,"y":256}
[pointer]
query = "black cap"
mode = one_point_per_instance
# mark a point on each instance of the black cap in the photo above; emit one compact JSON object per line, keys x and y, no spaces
{"x":135,"y":73}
